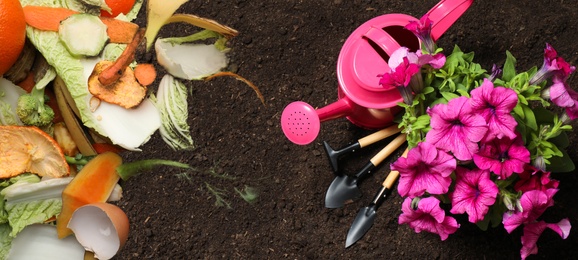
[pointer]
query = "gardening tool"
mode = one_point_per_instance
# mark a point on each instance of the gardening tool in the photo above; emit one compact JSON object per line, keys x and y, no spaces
{"x":334,"y":155}
{"x":345,"y":187}
{"x":363,"y":56}
{"x":366,"y":215}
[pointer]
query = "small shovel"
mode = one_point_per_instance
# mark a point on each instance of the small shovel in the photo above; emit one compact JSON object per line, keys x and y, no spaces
{"x":344,"y":187}
{"x":334,"y":155}
{"x":366,"y":216}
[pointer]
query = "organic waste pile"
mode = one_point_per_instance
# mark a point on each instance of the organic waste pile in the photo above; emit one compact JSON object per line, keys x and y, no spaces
{"x":77,"y":91}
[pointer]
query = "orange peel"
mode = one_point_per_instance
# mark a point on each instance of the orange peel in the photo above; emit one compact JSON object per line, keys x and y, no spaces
{"x":29,"y":149}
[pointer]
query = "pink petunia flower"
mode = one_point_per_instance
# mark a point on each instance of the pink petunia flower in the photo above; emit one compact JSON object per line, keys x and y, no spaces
{"x":533,"y":231}
{"x":561,"y":94}
{"x":428,"y":217}
{"x":553,"y":66}
{"x":533,"y":178}
{"x":403,"y":68}
{"x":474,"y":193}
{"x":426,"y":169}
{"x":435,"y":61}
{"x":454,"y":128}
{"x":495,"y":72}
{"x":422,"y":30}
{"x":572,"y":112}
{"x":534,"y":203}
{"x":503,"y":157}
{"x":495,"y":104}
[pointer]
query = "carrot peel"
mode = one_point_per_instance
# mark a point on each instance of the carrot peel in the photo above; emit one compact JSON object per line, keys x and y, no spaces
{"x":145,"y":73}
{"x":48,"y":19}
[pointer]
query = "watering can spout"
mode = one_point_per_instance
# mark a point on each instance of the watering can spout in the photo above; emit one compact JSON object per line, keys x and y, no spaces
{"x":337,"y":109}
{"x":446,"y":13}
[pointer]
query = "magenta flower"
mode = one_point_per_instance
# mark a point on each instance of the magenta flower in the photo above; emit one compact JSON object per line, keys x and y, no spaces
{"x":533,"y":178}
{"x":402,"y":71}
{"x":426,"y":169}
{"x":474,"y":193}
{"x":562,"y":95}
{"x":553,"y":66}
{"x":495,"y":104}
{"x":435,"y":61}
{"x":533,"y":231}
{"x":495,"y":72}
{"x":454,"y":128}
{"x":572,"y":112}
{"x":503,"y":157}
{"x":422,"y":30}
{"x":400,"y":75}
{"x":534,"y":203}
{"x":428,"y":217}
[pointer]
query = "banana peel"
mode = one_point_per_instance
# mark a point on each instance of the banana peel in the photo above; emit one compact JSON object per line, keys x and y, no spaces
{"x":71,"y":120}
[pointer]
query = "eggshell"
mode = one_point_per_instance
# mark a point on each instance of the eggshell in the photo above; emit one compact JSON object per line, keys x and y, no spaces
{"x":101,"y":228}
{"x":39,"y":241}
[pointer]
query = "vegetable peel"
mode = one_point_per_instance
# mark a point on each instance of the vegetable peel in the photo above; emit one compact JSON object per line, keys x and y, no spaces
{"x":93,"y":183}
{"x":158,"y":13}
{"x":190,"y":61}
{"x":238,"y":77}
{"x":49,"y":18}
{"x":125,"y":92}
{"x":29,"y":149}
{"x":171,"y":100}
{"x":204,"y":23}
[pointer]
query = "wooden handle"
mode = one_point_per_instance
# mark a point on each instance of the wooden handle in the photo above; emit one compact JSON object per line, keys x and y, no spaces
{"x":379,"y":135}
{"x":392,"y":176}
{"x":388,"y":149}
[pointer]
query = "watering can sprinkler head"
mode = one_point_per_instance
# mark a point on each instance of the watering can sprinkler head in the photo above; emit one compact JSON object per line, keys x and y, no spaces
{"x":300,"y":123}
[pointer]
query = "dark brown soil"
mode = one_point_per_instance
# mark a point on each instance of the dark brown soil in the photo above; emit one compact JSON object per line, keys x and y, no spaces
{"x":289,"y":49}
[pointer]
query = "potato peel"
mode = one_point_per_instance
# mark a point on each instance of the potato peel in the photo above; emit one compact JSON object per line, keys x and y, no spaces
{"x":125,"y":92}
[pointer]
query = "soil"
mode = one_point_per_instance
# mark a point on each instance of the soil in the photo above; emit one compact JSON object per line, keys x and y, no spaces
{"x":289,"y":49}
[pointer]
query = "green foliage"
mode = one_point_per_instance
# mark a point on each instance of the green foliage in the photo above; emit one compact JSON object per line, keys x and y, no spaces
{"x":219,"y":195}
{"x":249,"y":194}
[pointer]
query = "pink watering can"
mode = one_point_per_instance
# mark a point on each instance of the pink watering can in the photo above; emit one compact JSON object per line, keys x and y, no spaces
{"x":363,"y":56}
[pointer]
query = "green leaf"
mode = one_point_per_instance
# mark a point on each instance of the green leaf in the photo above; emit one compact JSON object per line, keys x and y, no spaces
{"x":463,"y":92}
{"x":448,"y":95}
{"x":543,"y":116}
{"x":519,"y":111}
{"x":428,"y":90}
{"x":561,"y":164}
{"x":529,"y":118}
{"x":561,"y":141}
{"x":509,"y":71}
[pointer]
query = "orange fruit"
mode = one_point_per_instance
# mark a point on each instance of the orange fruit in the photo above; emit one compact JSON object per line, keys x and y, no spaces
{"x":117,"y":7}
{"x":29,"y":149}
{"x":12,"y":33}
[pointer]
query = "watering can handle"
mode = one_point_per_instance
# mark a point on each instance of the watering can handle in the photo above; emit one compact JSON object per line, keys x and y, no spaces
{"x":382,"y":39}
{"x":445,"y":13}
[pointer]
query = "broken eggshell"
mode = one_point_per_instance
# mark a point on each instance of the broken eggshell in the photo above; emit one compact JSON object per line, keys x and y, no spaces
{"x":101,"y":228}
{"x":39,"y":241}
{"x":190,"y":61}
